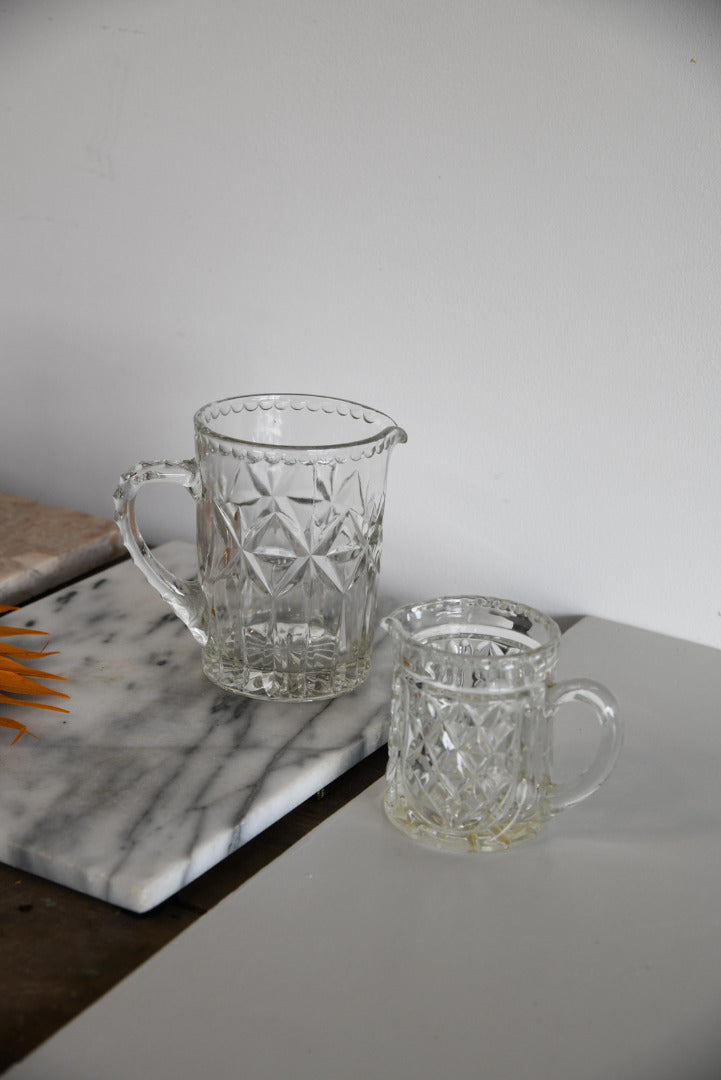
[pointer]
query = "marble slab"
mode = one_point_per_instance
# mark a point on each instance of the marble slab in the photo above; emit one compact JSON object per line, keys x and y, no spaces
{"x":42,"y":546}
{"x":156,"y":775}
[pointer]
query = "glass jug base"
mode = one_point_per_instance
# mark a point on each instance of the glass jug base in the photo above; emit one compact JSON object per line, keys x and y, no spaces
{"x":288,"y":685}
{"x":401,"y":815}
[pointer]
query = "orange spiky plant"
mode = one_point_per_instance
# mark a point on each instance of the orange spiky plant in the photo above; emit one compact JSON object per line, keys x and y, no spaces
{"x":18,"y":681}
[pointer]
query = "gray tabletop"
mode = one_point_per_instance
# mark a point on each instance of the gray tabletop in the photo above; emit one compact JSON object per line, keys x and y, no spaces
{"x":593,"y":951}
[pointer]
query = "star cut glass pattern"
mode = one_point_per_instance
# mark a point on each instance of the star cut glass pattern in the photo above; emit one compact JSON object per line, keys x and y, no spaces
{"x":291,"y":546}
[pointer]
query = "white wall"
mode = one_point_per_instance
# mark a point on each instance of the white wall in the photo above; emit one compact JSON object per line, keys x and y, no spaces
{"x":497,"y":220}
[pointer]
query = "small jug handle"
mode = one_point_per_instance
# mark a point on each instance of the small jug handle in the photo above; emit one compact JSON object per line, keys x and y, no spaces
{"x":184,"y":596}
{"x":605,"y":706}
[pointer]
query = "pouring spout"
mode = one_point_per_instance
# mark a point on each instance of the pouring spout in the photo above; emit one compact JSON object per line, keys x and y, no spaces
{"x":395,"y":624}
{"x":394,"y":436}
{"x":391,"y":625}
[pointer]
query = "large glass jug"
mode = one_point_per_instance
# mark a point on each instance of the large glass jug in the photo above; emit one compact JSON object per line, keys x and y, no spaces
{"x":290,"y":492}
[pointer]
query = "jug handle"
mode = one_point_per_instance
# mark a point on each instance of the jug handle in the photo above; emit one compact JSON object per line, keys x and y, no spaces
{"x":605,"y":707}
{"x":184,"y":595}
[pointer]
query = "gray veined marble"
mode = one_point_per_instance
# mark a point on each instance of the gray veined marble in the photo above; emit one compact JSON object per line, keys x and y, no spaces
{"x":156,"y":775}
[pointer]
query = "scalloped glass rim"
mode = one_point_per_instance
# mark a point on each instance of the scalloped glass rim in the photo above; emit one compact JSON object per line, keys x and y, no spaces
{"x":422,"y":641}
{"x":296,"y":402}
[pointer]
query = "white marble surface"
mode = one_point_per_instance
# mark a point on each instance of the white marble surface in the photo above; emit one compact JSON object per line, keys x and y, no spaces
{"x":156,"y":775}
{"x":590,"y":953}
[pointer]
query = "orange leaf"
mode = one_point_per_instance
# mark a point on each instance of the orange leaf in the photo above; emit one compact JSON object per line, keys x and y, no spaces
{"x":6,"y":664}
{"x":5,"y":699}
{"x":13,"y":683}
{"x":24,"y":654}
{"x":14,"y":678}
{"x":15,"y":725}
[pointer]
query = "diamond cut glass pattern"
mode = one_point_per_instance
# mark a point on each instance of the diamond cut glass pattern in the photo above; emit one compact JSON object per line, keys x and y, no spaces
{"x":470,"y":742}
{"x":468,"y":768}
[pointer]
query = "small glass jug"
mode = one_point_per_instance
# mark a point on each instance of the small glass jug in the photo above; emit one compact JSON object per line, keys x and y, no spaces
{"x":470,"y":748}
{"x":290,"y":493}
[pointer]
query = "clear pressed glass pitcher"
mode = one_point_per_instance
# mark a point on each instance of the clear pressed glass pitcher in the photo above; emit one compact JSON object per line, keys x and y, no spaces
{"x":290,"y":492}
